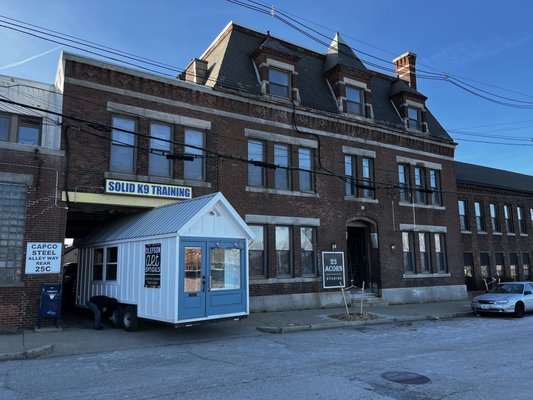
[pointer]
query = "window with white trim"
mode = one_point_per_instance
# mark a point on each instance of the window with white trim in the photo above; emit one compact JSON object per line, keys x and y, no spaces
{"x":354,"y":100}
{"x":105,"y":262}
{"x":279,"y":82}
{"x":414,"y":118}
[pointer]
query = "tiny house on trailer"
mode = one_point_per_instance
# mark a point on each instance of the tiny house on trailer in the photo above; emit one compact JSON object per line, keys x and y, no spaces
{"x":182,"y":263}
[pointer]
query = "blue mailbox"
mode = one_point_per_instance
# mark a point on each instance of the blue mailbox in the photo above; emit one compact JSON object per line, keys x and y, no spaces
{"x":50,"y":303}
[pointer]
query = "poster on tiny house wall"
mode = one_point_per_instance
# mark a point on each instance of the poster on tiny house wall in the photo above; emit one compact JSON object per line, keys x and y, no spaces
{"x":152,"y":265}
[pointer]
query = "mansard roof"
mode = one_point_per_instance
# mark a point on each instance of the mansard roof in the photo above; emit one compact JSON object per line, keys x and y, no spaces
{"x":231,"y":67}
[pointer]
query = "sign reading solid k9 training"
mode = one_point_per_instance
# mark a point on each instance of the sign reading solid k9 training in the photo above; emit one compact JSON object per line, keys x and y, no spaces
{"x":333,"y":269}
{"x":132,"y":188}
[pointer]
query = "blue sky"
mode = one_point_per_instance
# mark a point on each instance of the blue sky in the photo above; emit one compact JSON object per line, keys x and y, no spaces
{"x":481,"y":43}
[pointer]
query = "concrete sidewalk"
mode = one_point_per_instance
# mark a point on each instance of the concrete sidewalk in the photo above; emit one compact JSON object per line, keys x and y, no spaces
{"x":77,"y":336}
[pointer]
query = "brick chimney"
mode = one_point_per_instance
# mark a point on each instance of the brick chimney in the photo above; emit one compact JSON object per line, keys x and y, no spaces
{"x":406,"y":68}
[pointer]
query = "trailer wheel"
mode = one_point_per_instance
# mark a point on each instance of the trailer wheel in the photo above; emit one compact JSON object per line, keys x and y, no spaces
{"x":130,"y":321}
{"x":116,"y":317}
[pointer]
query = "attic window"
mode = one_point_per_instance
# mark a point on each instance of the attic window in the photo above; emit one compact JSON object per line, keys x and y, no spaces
{"x":414,"y":118}
{"x":278,"y":82}
{"x":354,"y":100}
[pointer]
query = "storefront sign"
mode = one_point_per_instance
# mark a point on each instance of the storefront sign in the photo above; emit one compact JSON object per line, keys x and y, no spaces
{"x":145,"y":189}
{"x":333,"y":269}
{"x":152,"y":265}
{"x":43,"y":258}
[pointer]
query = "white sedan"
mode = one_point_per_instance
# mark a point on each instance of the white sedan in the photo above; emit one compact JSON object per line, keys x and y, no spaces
{"x":506,"y":297}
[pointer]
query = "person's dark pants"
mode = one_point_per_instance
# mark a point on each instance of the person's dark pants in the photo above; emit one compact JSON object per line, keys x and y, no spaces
{"x":97,"y":315}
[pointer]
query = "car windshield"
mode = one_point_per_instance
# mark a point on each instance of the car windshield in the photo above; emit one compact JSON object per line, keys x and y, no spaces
{"x":508,"y":288}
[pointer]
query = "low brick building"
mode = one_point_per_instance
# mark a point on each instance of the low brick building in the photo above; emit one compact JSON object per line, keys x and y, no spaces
{"x":496,"y":220}
{"x":315,"y":151}
{"x":31,"y":211}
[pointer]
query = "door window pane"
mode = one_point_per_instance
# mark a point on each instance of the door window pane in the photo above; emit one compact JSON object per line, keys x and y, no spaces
{"x":193,"y":269}
{"x":122,"y":150}
{"x":225,"y":269}
{"x":160,"y":146}
{"x":194,"y":169}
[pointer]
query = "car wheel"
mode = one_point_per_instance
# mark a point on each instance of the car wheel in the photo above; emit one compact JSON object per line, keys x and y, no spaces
{"x":130,"y":321}
{"x":519,"y":310}
{"x":116,"y":317}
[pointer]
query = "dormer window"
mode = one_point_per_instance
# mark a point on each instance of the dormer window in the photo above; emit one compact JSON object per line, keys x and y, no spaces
{"x":278,"y":82}
{"x":354,"y":100}
{"x":414,"y":118}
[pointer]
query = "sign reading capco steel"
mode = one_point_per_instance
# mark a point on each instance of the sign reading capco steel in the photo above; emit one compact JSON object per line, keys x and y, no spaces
{"x":152,"y":265}
{"x":147,"y":189}
{"x":43,"y":258}
{"x":333,"y":269}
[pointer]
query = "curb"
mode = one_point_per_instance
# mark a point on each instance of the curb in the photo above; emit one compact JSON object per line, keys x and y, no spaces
{"x":27,"y":354}
{"x":341,"y":324}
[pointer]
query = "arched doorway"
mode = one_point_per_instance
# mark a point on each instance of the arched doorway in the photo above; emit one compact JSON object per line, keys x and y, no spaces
{"x":362,"y":255}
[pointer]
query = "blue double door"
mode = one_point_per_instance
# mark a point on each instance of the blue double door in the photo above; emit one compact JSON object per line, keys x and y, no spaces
{"x":212,"y":278}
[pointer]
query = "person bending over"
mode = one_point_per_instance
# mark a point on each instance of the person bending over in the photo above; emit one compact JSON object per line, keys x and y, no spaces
{"x":101,"y":305}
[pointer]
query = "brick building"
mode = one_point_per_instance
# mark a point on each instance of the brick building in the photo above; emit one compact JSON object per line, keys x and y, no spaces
{"x":31,"y":180}
{"x":315,"y":151}
{"x":496,"y":221}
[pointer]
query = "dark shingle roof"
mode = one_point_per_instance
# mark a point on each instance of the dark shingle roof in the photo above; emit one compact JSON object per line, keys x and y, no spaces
{"x":492,"y":177}
{"x":231,"y":66}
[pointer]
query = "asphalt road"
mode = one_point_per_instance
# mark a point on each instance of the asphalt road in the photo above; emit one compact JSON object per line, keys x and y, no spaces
{"x":466,"y":358}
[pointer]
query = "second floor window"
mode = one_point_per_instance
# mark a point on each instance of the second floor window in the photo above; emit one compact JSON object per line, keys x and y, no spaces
{"x":403,"y":180}
{"x":508,"y":218}
{"x":480,"y":217}
{"x":122,"y":145}
{"x":368,"y":178}
{"x":20,"y":129}
{"x":463,"y":216}
{"x":256,"y":173}
{"x":354,"y":101}
{"x":350,"y":173}
{"x":160,"y":146}
{"x":305,"y":164}
{"x":494,"y":218}
{"x":434,"y":181}
{"x":281,"y":160}
{"x":279,"y":82}
{"x":194,"y":169}
{"x":420,"y":185}
{"x":521,"y":220}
